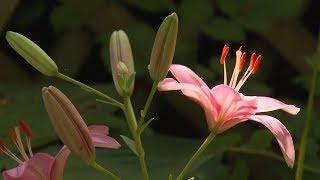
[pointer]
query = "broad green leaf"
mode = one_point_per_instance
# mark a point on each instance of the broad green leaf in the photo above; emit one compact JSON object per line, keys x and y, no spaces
{"x":67,"y":16}
{"x":196,"y":11}
{"x":130,"y":143}
{"x":224,"y":29}
{"x":25,"y":101}
{"x":258,"y":15}
{"x":260,"y":139}
{"x":240,"y":171}
{"x":152,"y":6}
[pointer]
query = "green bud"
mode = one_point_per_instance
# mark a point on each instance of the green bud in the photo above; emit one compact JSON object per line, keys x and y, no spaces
{"x":122,"y":65}
{"x":32,"y":53}
{"x":68,"y":124}
{"x":164,"y":48}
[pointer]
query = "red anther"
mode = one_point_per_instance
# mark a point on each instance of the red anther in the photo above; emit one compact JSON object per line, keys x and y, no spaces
{"x":256,"y":64}
{"x":13,"y":135}
{"x":25,"y":128}
{"x":2,"y":146}
{"x":242,"y":60}
{"x":252,"y":60}
{"x":224,"y":54}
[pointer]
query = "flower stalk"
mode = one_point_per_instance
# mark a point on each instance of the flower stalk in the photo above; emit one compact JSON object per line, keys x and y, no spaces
{"x":196,"y":155}
{"x":106,"y":172}
{"x":306,"y":129}
{"x":132,"y":123}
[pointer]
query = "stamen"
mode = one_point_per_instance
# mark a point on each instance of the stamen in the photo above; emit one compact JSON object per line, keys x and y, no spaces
{"x":252,"y":60}
{"x":257,"y":64}
{"x":242,"y":61}
{"x":5,"y":150}
{"x":27,"y":130}
{"x":252,"y":70}
{"x":224,"y":54}
{"x":16,"y":140}
{"x":236,"y":71}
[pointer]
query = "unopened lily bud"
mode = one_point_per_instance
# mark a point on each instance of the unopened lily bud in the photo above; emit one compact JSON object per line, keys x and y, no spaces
{"x":68,"y":124}
{"x":32,"y":53}
{"x":122,"y":65}
{"x":164,"y":48}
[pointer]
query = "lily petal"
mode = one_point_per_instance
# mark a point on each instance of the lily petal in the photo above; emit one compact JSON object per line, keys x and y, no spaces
{"x":266,"y":104}
{"x":59,"y":163}
{"x":36,"y":168}
{"x":100,"y":129}
{"x":100,"y":139}
{"x":282,"y":135}
{"x":185,"y":75}
{"x":98,"y":134}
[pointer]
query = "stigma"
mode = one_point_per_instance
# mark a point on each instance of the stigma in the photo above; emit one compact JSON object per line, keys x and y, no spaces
{"x":254,"y":65}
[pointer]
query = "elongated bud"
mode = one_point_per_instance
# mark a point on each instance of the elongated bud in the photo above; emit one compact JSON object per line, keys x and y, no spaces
{"x":32,"y":53}
{"x":164,"y":48}
{"x":68,"y":124}
{"x":122,"y":64}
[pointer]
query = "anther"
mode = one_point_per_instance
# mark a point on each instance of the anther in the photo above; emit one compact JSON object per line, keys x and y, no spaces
{"x":252,"y":60}
{"x":242,"y":61}
{"x":224,"y":54}
{"x":2,"y":146}
{"x":256,"y":64}
{"x":25,"y":128}
{"x":12,"y":135}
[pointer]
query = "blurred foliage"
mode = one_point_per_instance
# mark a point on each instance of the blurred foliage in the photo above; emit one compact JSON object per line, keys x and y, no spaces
{"x":76,"y":33}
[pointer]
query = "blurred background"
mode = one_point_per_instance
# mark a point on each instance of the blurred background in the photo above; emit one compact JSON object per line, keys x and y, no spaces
{"x":75,"y":33}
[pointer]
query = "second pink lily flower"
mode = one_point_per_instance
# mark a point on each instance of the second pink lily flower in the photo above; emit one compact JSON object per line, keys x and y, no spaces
{"x":225,"y":106}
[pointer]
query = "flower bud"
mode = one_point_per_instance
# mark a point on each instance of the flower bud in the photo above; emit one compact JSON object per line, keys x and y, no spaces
{"x":68,"y":124}
{"x":121,"y":59}
{"x":32,"y":53}
{"x":164,"y":48}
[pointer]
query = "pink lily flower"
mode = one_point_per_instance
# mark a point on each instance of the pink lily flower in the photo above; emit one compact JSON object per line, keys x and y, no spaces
{"x":225,"y":106}
{"x":42,"y":166}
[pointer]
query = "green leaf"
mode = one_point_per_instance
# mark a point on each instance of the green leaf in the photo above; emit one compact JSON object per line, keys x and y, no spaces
{"x":67,"y":16}
{"x":259,"y":15}
{"x":130,"y":143}
{"x":196,"y":11}
{"x":240,"y":171}
{"x":152,"y":6}
{"x":260,"y":140}
{"x":224,"y":29}
{"x":25,"y":101}
{"x":142,"y":127}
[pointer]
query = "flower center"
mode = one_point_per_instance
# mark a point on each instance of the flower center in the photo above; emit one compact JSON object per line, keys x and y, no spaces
{"x":253,"y":67}
{"x":15,"y":137}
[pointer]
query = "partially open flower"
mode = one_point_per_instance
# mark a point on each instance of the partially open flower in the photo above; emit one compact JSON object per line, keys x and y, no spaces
{"x":68,"y":124}
{"x":32,"y":53}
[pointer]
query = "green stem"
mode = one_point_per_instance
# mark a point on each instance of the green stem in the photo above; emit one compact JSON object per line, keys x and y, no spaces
{"x":148,"y":102}
{"x":90,"y":89}
{"x":269,"y":155}
{"x":132,"y":123}
{"x":104,"y":171}
{"x":196,"y":155}
{"x":305,"y":133}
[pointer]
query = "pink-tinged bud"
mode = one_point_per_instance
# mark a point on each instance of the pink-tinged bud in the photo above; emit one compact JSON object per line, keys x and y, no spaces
{"x":32,"y":53}
{"x":164,"y":47}
{"x":68,"y":124}
{"x":122,"y":65}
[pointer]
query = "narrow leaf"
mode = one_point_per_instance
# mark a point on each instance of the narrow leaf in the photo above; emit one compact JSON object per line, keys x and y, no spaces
{"x":130,"y":143}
